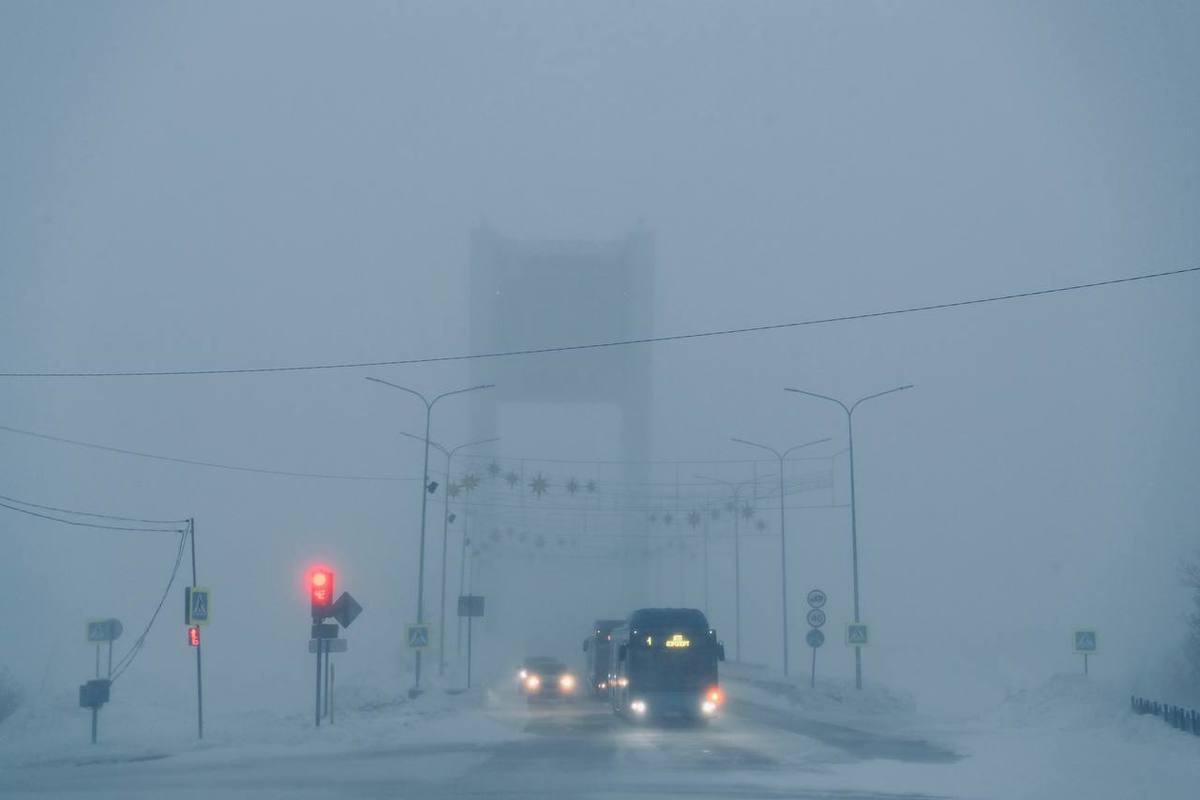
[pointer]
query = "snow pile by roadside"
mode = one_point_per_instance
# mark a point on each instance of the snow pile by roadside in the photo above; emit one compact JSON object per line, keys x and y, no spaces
{"x":1063,"y":702}
{"x":832,"y":700}
{"x":147,"y":724}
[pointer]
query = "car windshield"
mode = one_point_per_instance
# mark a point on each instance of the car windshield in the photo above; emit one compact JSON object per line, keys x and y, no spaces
{"x":600,"y":399}
{"x":544,"y":665}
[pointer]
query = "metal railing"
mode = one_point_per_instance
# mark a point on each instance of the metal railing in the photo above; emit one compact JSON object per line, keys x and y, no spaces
{"x":1184,"y":719}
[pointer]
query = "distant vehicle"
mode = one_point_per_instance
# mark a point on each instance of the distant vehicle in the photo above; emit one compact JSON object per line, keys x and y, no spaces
{"x":544,"y":677}
{"x":665,"y":664}
{"x":598,"y":648}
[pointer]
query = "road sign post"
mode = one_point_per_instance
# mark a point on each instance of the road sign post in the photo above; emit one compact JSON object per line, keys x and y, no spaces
{"x":470,"y":606}
{"x":1086,"y":644}
{"x":815,"y":638}
{"x":95,"y":693}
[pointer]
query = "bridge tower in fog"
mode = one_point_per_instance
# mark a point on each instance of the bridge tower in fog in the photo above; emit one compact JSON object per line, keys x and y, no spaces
{"x":589,"y":404}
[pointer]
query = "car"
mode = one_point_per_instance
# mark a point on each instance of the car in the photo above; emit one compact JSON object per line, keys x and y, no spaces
{"x":545,"y":677}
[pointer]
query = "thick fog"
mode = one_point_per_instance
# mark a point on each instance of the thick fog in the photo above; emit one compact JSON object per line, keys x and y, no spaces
{"x":195,"y":187}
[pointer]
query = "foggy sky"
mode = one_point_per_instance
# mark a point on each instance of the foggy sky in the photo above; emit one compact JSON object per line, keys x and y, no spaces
{"x":260,"y":184}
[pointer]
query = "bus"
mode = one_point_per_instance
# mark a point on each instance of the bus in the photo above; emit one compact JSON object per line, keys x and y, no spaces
{"x":597,"y":651}
{"x":664,"y":663}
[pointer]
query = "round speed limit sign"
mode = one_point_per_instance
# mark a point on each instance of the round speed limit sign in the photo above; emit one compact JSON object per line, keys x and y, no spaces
{"x":815,"y":617}
{"x":816,"y":598}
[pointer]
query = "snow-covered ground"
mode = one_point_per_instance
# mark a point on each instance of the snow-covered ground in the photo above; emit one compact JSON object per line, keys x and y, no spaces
{"x":1071,"y":737}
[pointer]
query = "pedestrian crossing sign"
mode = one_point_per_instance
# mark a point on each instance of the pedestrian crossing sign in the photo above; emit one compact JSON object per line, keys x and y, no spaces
{"x":857,"y":634}
{"x":418,"y":637}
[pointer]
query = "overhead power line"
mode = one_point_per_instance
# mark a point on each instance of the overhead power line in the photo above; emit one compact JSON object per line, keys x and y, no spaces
{"x":196,"y":463}
{"x":19,"y":501}
{"x":345,"y":477}
{"x":613,"y":343}
{"x":127,"y":659}
{"x":81,"y":524}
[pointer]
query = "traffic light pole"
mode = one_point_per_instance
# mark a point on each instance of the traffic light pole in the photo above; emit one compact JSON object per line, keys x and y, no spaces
{"x":317,"y":714}
{"x":199,"y":680}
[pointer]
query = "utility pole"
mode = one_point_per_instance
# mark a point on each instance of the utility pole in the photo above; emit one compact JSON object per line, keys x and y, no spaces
{"x":191,"y":532}
{"x":782,"y":533}
{"x":426,"y":489}
{"x":849,"y":411}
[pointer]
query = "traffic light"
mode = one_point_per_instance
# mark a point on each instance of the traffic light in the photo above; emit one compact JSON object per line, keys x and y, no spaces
{"x":194,"y":636}
{"x":320,"y":589}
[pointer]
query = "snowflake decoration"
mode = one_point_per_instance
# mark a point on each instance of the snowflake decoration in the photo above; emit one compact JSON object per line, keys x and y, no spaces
{"x":470,"y":481}
{"x":729,"y":506}
{"x":540,"y":541}
{"x":539,"y":485}
{"x":693,"y":518}
{"x":653,"y":517}
{"x":760,"y":524}
{"x":453,"y":489}
{"x":493,"y":470}
{"x":590,"y":486}
{"x":747,"y":511}
{"x":512,"y":478}
{"x":667,"y":518}
{"x":572,"y":486}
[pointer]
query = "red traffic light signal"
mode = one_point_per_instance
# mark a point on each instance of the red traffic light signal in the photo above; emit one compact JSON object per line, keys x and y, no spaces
{"x":320,"y":590}
{"x":194,"y":636}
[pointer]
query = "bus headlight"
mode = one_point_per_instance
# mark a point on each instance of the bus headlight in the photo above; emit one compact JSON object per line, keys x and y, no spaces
{"x":638,"y":706}
{"x":533,"y":682}
{"x":566,"y":683}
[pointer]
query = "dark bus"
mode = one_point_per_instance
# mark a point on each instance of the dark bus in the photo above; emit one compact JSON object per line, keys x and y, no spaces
{"x":665,"y":664}
{"x":597,"y":649}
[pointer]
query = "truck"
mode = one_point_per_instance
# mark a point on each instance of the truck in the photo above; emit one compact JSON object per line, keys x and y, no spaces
{"x":597,"y":653}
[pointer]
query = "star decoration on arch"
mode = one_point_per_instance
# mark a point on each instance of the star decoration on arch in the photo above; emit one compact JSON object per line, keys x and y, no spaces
{"x":653,"y":517}
{"x":512,"y":478}
{"x":539,"y":485}
{"x":667,"y":518}
{"x":590,"y":486}
{"x":453,"y":489}
{"x":470,"y":481}
{"x":760,"y":524}
{"x":747,"y":511}
{"x":693,"y":518}
{"x":572,"y":486}
{"x":493,"y":470}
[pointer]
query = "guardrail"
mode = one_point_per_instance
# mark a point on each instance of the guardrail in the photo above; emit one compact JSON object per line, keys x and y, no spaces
{"x":1185,"y":719}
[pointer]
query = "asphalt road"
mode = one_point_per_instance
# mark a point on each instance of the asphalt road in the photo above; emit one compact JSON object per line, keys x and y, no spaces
{"x":567,"y":750}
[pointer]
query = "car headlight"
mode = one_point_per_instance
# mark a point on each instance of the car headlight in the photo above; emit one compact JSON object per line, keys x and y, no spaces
{"x":566,"y":682}
{"x":533,"y":682}
{"x":708,"y":707}
{"x":638,"y":706}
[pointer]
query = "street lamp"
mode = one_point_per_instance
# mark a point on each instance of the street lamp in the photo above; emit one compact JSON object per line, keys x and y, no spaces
{"x":449,"y":454}
{"x":849,"y":409}
{"x":425,"y":491}
{"x":736,"y":489}
{"x":782,"y":538}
